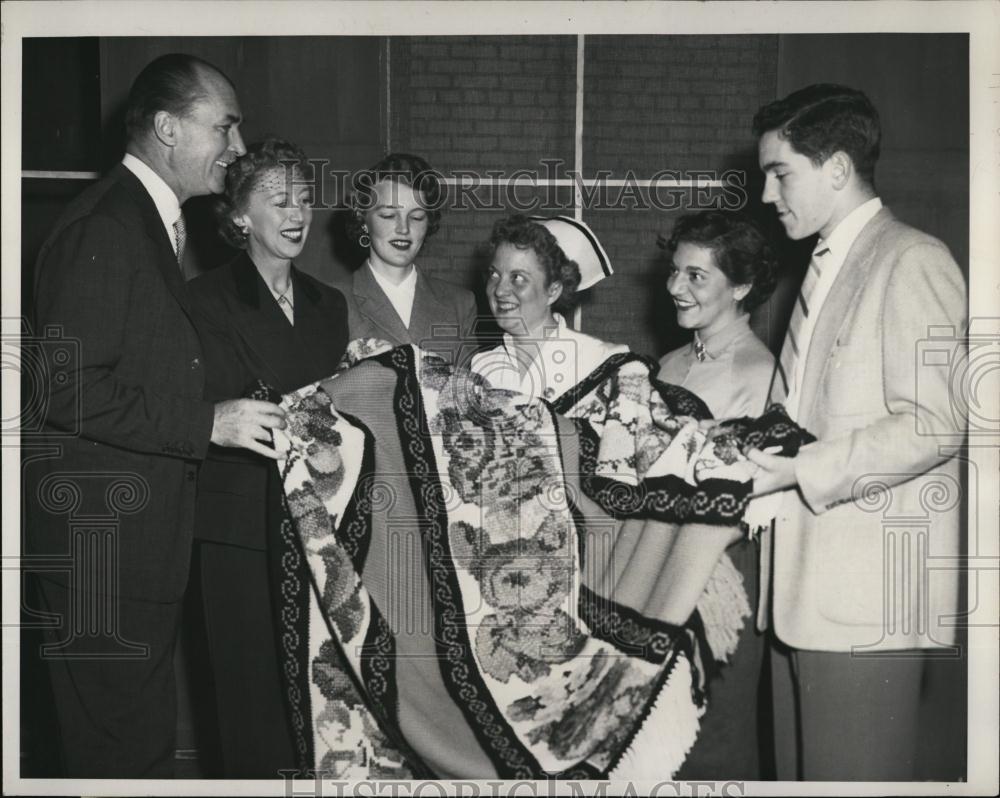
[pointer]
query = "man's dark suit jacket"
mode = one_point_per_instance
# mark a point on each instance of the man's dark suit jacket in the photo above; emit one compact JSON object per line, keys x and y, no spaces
{"x":248,"y":338}
{"x":131,"y":397}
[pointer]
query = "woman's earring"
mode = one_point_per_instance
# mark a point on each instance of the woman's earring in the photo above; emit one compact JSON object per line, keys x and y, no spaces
{"x":364,"y":240}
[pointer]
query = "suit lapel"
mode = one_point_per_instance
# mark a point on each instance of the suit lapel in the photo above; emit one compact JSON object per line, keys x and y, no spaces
{"x":316,"y":332}
{"x":374,"y":305}
{"x":428,"y":311}
{"x":262,"y":325}
{"x":288,"y":356}
{"x":850,"y":281}
{"x":166,"y":260}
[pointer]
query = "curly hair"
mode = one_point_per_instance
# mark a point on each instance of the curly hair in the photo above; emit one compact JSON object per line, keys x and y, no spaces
{"x":242,"y":176}
{"x":739,"y":249}
{"x":823,"y":118}
{"x":411,"y":170}
{"x":521,"y":232}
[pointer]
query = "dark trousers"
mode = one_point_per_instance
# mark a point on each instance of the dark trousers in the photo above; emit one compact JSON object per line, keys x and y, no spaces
{"x":114,"y":696}
{"x":254,"y":728}
{"x":839,"y":717}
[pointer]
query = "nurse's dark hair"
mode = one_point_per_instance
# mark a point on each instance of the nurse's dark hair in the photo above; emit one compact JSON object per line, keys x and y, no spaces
{"x":738,"y":248}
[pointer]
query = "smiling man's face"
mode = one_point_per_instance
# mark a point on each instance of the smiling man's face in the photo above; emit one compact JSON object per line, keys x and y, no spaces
{"x":208,"y":139}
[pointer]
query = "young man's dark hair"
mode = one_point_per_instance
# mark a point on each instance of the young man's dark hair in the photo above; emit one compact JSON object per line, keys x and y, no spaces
{"x":825,"y":118}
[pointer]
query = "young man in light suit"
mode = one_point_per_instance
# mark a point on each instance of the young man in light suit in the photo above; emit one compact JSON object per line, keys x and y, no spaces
{"x":857,"y":608}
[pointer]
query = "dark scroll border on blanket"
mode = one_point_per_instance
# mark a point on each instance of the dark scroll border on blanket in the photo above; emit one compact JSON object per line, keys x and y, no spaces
{"x":774,"y":428}
{"x":616,"y":618}
{"x":620,"y":499}
{"x":378,"y":651}
{"x":296,"y":581}
{"x":664,"y":498}
{"x":459,"y":670}
{"x":290,"y":573}
{"x":616,"y":624}
{"x":354,"y":532}
{"x":679,"y":401}
{"x":292,"y":608}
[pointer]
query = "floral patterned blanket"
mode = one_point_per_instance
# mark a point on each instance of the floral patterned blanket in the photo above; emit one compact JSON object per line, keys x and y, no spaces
{"x":471,"y":581}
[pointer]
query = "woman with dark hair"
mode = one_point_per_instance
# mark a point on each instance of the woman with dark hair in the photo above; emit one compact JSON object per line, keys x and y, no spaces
{"x":531,"y":282}
{"x":395,"y":208}
{"x":720,"y":269}
{"x":261,"y":320}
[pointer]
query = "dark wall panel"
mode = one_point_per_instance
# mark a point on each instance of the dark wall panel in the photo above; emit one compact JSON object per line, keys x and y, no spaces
{"x":60,"y":131}
{"x":60,"y":119}
{"x":920,"y":85}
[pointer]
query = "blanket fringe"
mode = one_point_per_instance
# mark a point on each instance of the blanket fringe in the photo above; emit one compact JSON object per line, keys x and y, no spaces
{"x":666,"y":736}
{"x":723,"y":606}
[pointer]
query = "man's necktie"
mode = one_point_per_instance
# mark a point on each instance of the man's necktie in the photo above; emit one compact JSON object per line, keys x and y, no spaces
{"x":790,"y":352}
{"x":180,"y":236}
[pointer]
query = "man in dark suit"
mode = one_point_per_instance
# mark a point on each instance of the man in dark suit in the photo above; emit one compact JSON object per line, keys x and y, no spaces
{"x":116,"y":502}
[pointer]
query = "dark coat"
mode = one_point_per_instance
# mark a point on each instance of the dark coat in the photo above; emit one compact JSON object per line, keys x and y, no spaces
{"x":124,"y":391}
{"x":248,"y":338}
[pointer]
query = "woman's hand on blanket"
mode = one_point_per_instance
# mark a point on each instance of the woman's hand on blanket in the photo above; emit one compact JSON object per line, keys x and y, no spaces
{"x":247,"y":424}
{"x":774,"y":472}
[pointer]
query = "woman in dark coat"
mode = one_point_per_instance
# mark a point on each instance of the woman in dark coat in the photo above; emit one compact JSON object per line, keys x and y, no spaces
{"x":261,"y":320}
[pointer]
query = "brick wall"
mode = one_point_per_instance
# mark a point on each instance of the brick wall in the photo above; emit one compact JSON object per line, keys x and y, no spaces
{"x":650,"y":103}
{"x":654,"y":103}
{"x":489,"y":103}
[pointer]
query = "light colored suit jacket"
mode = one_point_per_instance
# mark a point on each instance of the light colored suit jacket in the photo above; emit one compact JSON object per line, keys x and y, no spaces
{"x":862,"y":550}
{"x":442,"y":313}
